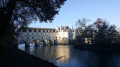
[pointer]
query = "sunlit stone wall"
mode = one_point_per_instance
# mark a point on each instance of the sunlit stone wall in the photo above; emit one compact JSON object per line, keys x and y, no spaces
{"x":65,"y":34}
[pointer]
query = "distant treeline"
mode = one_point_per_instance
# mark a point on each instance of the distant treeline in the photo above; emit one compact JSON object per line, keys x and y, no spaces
{"x":99,"y":34}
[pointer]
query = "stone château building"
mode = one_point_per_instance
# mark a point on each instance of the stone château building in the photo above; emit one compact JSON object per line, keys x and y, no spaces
{"x":60,"y":35}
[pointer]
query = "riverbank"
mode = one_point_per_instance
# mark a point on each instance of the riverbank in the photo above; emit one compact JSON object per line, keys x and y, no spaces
{"x":10,"y":56}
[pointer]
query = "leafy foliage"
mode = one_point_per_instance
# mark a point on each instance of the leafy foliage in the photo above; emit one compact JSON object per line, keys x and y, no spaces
{"x":105,"y":32}
{"x":100,"y":32}
{"x":14,"y":13}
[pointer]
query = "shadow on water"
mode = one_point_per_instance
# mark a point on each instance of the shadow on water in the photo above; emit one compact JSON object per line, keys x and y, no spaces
{"x":66,"y":56}
{"x":103,"y":59}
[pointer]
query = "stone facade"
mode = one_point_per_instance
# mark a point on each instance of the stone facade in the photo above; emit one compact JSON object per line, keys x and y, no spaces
{"x":60,"y":35}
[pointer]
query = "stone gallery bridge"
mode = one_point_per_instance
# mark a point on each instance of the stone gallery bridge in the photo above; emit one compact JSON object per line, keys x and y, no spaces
{"x":37,"y":36}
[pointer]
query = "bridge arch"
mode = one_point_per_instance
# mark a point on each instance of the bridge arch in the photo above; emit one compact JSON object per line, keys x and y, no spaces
{"x":41,"y":42}
{"x":32,"y":41}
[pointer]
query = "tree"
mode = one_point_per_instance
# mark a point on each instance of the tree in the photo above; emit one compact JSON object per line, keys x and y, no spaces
{"x":81,"y":25}
{"x":82,"y":30}
{"x":89,"y":33}
{"x":105,"y":33}
{"x":100,"y":32}
{"x":20,"y":13}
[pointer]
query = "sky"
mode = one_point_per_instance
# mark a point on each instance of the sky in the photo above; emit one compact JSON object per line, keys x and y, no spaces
{"x":73,"y":10}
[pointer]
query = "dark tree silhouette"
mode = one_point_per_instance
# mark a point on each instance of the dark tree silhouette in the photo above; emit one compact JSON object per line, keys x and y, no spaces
{"x":15,"y":13}
{"x":89,"y":33}
{"x":105,"y":33}
{"x":101,"y":35}
{"x":100,"y":32}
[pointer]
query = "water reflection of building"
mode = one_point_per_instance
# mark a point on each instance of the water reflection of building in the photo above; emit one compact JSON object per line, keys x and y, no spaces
{"x":60,"y":35}
{"x":62,"y":54}
{"x":59,"y":53}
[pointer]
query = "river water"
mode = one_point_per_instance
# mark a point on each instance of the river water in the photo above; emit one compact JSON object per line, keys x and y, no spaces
{"x":66,"y":56}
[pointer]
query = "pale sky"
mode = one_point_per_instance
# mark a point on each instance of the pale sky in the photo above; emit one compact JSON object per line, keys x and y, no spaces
{"x":73,"y":10}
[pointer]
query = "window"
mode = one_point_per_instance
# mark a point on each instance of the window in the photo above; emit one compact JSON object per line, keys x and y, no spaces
{"x":43,"y":30}
{"x":53,"y":30}
{"x":24,"y":30}
{"x":34,"y":30}
{"x":56,"y":37}
{"x":30,"y":30}
{"x":39,"y":30}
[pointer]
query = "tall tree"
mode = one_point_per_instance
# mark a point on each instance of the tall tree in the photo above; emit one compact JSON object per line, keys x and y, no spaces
{"x":21,"y":12}
{"x":81,"y":25}
{"x":105,"y":33}
{"x":100,"y":32}
{"x":89,"y":33}
{"x":82,"y":29}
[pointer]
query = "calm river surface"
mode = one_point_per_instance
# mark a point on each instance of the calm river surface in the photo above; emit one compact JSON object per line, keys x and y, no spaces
{"x":66,"y":56}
